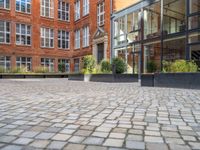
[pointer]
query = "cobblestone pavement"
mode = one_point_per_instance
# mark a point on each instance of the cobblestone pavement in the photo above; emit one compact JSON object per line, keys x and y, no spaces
{"x":61,"y":114}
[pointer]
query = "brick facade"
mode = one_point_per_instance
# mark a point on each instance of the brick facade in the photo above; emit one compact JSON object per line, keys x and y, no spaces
{"x":37,"y":21}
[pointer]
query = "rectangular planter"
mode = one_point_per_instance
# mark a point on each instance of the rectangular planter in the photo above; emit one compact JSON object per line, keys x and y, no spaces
{"x":104,"y":77}
{"x":147,"y":80}
{"x":76,"y":77}
{"x":23,"y":76}
{"x":177,"y":80}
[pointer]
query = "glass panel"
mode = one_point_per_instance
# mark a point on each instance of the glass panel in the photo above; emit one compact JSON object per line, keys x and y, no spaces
{"x":194,"y":37}
{"x":174,"y":16}
{"x":194,"y":6}
{"x":195,"y":53}
{"x":152,"y":56}
{"x":172,"y":51}
{"x":194,"y":22}
{"x":152,"y":21}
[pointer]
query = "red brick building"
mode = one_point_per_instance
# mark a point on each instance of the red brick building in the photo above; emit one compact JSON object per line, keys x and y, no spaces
{"x":45,"y":33}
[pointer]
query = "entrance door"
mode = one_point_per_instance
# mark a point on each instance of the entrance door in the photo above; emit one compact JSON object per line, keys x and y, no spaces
{"x":100,"y":52}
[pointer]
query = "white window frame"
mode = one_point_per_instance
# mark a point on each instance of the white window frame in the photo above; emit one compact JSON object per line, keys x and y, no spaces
{"x":26,"y":34}
{"x":20,"y":62}
{"x":50,"y":64}
{"x":77,"y":10}
{"x":77,"y":43}
{"x":50,"y":8}
{"x":66,"y":11}
{"x":5,"y":32}
{"x":76,"y":65}
{"x":46,"y":31}
{"x":101,"y":14}
{"x":5,"y":62}
{"x":27,"y":2}
{"x":86,"y":7}
{"x":66,"y":39}
{"x":66,"y":62}
{"x":86,"y":35}
{"x":4,"y":4}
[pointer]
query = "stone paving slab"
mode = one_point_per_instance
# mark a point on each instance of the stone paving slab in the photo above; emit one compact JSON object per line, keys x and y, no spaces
{"x":61,"y":114}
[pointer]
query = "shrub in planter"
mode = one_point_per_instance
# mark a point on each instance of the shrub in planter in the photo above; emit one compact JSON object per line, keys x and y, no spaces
{"x":180,"y":66}
{"x":106,"y":66}
{"x":61,"y":67}
{"x":120,"y":65}
{"x":88,"y":64}
{"x":19,"y":70}
{"x":151,"y":67}
{"x":2,"y":70}
{"x":41,"y":70}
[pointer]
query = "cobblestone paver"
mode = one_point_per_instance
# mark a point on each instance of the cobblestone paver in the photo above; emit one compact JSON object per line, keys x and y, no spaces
{"x":62,"y":114}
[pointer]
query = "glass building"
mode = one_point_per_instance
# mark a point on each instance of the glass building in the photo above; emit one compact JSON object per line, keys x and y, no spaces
{"x":156,"y":31}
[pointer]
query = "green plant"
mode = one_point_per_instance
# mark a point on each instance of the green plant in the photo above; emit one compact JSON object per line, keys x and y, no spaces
{"x":180,"y":66}
{"x":2,"y":70}
{"x":120,"y":65}
{"x":151,"y":67}
{"x":19,"y":70}
{"x":61,"y":67}
{"x":41,"y":70}
{"x":88,"y":64}
{"x":106,"y":66}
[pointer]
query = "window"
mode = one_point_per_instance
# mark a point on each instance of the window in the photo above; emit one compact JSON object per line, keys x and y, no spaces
{"x":66,"y":63}
{"x":47,"y":37}
{"x":47,"y":8}
{"x":86,"y":36}
{"x":48,"y":63}
{"x":152,"y":21}
{"x":23,"y":6}
{"x":63,"y":39}
{"x":24,"y":62}
{"x":101,"y":14}
{"x":23,"y":34}
{"x":77,"y":39}
{"x":85,"y":7}
{"x":5,"y":63}
{"x":77,"y":10}
{"x":63,"y":11}
{"x":5,"y":4}
{"x":174,"y":16}
{"x":194,"y":6}
{"x":76,"y":65}
{"x":4,"y":32}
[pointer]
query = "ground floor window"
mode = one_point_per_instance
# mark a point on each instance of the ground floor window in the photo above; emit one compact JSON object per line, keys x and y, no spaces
{"x":195,"y":53}
{"x":48,"y":63}
{"x":76,"y":65}
{"x":64,"y":65}
{"x":24,"y":63}
{"x":5,"y":63}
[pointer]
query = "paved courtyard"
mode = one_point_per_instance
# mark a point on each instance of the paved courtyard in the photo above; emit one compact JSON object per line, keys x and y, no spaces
{"x":61,"y":114}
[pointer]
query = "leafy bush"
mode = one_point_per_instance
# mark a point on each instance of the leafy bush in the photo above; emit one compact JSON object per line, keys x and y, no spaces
{"x":19,"y":70}
{"x":120,"y":65}
{"x":88,"y":64}
{"x":61,"y":67}
{"x":2,"y":70}
{"x":180,"y":66}
{"x":151,"y":67}
{"x":41,"y":70}
{"x":106,"y":66}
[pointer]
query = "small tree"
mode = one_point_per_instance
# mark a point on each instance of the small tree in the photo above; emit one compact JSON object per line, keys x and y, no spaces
{"x":88,"y":64}
{"x":105,"y":66}
{"x":120,"y":65}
